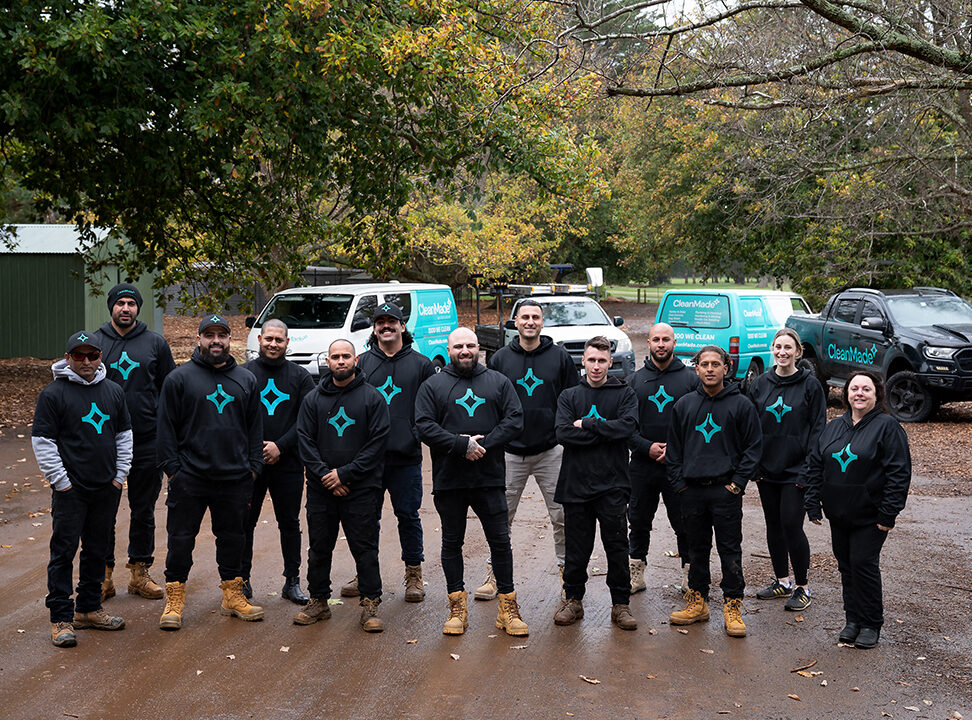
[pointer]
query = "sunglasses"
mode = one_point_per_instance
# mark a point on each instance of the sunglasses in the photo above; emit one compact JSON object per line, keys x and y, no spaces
{"x":79,"y":356}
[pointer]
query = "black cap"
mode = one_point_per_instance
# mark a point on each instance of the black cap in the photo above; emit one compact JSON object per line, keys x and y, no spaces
{"x":389,"y":309}
{"x":124,"y":290}
{"x":82,"y":337}
{"x":211,"y":320}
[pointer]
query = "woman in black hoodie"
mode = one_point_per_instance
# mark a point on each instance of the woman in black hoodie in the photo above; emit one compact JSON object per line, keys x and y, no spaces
{"x":792,"y":412}
{"x":858,"y":473}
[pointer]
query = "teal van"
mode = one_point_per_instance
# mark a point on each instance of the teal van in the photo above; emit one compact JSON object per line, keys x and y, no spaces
{"x":317,"y":316}
{"x":741,"y":321}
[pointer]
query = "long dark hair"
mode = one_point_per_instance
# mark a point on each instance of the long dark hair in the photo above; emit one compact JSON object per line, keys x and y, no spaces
{"x":878,"y":389}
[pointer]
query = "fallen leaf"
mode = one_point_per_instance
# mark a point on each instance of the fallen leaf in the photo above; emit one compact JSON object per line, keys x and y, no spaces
{"x":231,"y":657}
{"x":707,"y":652}
{"x":855,"y":689}
{"x":491,"y":636}
{"x":902,"y":682}
{"x":804,"y":667}
{"x":794,"y":697}
{"x":518,"y":647}
{"x":798,"y":618}
{"x":592,"y":681}
{"x":284,"y":648}
{"x":652,"y":631}
{"x":198,"y":672}
{"x":5,"y":547}
{"x":334,"y":601}
{"x":911,"y":707}
{"x":453,"y":656}
{"x":921,"y":657}
{"x":724,"y":712}
{"x":37,"y":524}
{"x":682,"y":630}
{"x":411,"y":642}
{"x":884,"y":714}
{"x":671,"y":553}
{"x":21,"y":631}
{"x":927,"y":702}
{"x":650,"y":676}
{"x":823,"y":683}
{"x":809,"y":673}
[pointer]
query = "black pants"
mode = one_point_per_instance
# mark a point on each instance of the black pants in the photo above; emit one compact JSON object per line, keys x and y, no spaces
{"x":705,"y":509}
{"x":580,"y":520}
{"x":783,"y":510}
{"x":85,"y":517}
{"x":646,"y":489}
{"x":858,"y":552}
{"x":357,"y":513}
{"x":404,"y":486}
{"x":189,"y":498}
{"x":286,"y":488}
{"x":144,"y":486}
{"x":489,"y":504}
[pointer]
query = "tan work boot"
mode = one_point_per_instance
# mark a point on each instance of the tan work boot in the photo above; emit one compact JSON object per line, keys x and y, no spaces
{"x":62,"y":634}
{"x":141,"y":583}
{"x":107,"y":585}
{"x":696,"y":610}
{"x":350,"y":588}
{"x":235,"y":602}
{"x":414,"y":589}
{"x":569,"y":612}
{"x":732,"y":614}
{"x":175,"y":603}
{"x":97,"y":620}
{"x":508,"y":616}
{"x":637,"y":569}
{"x":458,"y":616}
{"x":488,"y":590}
{"x":313,"y":611}
{"x":622,"y":617}
{"x":370,"y":621}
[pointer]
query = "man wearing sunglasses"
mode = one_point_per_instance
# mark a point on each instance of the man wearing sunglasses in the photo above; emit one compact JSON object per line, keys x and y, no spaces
{"x":138,"y":360}
{"x":82,"y":439}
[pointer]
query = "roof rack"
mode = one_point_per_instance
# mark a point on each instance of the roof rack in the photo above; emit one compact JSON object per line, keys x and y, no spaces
{"x":549,"y":289}
{"x":922,"y":289}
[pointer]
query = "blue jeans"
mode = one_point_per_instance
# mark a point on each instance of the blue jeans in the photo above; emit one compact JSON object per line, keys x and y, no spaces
{"x":404,"y":486}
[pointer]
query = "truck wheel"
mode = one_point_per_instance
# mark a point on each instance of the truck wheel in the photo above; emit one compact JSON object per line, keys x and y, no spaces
{"x":438,"y":363}
{"x":754,"y":371}
{"x":909,"y":400}
{"x":813,"y":364}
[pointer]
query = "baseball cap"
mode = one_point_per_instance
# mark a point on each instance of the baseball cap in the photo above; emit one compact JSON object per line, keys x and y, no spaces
{"x":82,"y":337}
{"x":389,"y":309}
{"x":214,"y":319}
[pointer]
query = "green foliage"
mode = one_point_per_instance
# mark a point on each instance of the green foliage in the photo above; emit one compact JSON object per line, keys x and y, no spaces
{"x":227,"y":140}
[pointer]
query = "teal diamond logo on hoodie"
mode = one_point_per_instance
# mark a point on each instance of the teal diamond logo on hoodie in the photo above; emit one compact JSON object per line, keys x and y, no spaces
{"x":845,"y":457}
{"x":125,"y":365}
{"x":220,"y":398}
{"x":778,"y":409}
{"x":96,"y":418}
{"x":708,"y":428}
{"x":341,"y":422}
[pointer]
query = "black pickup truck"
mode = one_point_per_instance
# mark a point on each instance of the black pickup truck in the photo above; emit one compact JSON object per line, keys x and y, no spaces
{"x":919,"y":340}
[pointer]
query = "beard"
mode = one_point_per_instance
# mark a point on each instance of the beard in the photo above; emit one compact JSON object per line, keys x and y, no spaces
{"x":465,"y":368}
{"x":661,"y":355}
{"x":217,"y":359}
{"x":342,"y":375}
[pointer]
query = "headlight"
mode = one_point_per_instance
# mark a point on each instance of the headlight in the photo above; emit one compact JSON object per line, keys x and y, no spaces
{"x":252,"y":354}
{"x":940,"y":353}
{"x":321,"y":362}
{"x":624,"y":344}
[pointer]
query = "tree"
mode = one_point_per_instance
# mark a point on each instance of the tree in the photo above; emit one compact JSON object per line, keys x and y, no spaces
{"x":227,"y":140}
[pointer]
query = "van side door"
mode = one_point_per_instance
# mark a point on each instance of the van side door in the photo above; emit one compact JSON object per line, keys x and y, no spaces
{"x":755,"y":334}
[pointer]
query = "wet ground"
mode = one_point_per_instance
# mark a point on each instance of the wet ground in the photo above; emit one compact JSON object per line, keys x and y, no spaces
{"x":218,"y":667}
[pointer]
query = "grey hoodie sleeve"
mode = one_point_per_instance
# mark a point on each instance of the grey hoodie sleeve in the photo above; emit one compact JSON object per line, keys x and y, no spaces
{"x":123,"y":461}
{"x":49,"y":462}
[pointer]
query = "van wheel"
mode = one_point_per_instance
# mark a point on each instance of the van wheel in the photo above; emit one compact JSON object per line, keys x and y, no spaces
{"x":908,"y":399}
{"x":754,"y":371}
{"x":438,"y":363}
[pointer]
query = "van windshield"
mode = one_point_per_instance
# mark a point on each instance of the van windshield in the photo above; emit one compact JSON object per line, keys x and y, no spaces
{"x":574,"y":313}
{"x":696,"y":311}
{"x":783,"y":307}
{"x":314,"y":311}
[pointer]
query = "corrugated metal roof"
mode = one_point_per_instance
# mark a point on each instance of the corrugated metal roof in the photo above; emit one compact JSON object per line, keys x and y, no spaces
{"x":43,"y":239}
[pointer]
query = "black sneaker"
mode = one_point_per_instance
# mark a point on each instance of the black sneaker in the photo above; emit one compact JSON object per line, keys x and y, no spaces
{"x":849,"y":634}
{"x":798,"y":600}
{"x":867,"y":638}
{"x":774,"y":590}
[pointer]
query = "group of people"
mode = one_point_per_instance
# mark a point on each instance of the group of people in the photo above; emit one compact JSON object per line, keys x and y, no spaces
{"x":602,"y":451}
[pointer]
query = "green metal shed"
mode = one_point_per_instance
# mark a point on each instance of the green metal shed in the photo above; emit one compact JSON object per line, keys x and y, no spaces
{"x":43,"y":294}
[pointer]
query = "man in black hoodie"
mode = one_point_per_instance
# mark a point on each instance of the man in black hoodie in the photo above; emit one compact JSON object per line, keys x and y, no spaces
{"x":713,"y":451}
{"x":595,"y":422}
{"x":138,"y":360}
{"x":82,"y":439}
{"x":283,"y":385}
{"x":466,"y":414}
{"x":396,"y":369}
{"x":539,"y":370}
{"x":342,"y":431}
{"x":210,"y":445}
{"x":659,"y":384}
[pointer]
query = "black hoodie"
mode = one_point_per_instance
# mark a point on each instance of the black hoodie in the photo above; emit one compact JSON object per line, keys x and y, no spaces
{"x":538,"y":376}
{"x":657,"y":391}
{"x":398,"y":378}
{"x":596,"y":453}
{"x":210,"y":424}
{"x":792,"y":412}
{"x":713,"y":439}
{"x":139,"y":362}
{"x":859,"y":474}
{"x":450,"y":409}
{"x":283,"y":386}
{"x":344,"y":429}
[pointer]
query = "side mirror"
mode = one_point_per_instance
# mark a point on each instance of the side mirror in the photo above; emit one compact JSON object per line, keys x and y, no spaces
{"x":618,"y":321}
{"x":250,"y":321}
{"x":874,"y":323}
{"x":360,"y":323}
{"x":510,"y":325}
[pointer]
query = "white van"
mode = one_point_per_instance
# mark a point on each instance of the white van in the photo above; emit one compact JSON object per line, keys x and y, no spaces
{"x":317,"y":316}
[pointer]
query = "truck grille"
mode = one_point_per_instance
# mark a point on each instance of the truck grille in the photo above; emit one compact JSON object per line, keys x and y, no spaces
{"x":964,"y":360}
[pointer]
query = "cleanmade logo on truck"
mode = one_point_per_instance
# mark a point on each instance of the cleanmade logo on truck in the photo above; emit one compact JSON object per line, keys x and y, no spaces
{"x":854,"y":354}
